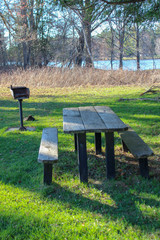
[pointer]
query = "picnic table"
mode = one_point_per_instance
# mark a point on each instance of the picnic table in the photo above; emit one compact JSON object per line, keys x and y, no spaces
{"x":97,"y":119}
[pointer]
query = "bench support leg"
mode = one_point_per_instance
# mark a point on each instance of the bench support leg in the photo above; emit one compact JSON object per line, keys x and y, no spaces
{"x":110,"y":160}
{"x":82,"y":157}
{"x":75,"y":142}
{"x":47,"y":173}
{"x":124,"y":146}
{"x":143,"y":165}
{"x":98,"y":143}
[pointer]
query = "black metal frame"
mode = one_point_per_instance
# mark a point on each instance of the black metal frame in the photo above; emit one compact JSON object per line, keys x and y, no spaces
{"x":82,"y":157}
{"x":47,"y":173}
{"x":81,"y":149}
{"x":20,"y":93}
{"x":98,"y":143}
{"x":22,"y":128}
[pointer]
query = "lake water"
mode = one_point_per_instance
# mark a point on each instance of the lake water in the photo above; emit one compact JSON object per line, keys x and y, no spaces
{"x":127,"y":64}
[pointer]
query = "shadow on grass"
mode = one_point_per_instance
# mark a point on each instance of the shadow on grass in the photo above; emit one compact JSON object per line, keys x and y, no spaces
{"x":125,"y":205}
{"x":19,"y":165}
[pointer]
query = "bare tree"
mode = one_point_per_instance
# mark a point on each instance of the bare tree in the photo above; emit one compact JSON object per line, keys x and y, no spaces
{"x":3,"y":55}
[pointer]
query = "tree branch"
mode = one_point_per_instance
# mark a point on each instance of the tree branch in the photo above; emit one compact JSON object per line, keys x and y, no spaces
{"x":122,"y":2}
{"x":141,"y":99}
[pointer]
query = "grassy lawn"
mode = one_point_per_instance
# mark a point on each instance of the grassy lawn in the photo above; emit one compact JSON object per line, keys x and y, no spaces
{"x":125,"y":208}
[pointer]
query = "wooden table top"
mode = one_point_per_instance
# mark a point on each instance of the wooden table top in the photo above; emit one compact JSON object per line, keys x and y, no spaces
{"x":91,"y":119}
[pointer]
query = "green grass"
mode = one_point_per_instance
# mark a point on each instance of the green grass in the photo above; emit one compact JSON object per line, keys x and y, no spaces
{"x":125,"y":208}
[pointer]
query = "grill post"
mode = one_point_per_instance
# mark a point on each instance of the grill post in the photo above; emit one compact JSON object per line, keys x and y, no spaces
{"x":22,"y":128}
{"x":20,"y":93}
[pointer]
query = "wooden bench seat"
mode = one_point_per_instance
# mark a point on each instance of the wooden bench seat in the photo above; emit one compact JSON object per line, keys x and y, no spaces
{"x":48,"y":152}
{"x":138,"y":148}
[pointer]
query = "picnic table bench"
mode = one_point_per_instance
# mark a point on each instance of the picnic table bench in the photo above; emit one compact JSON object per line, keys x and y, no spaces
{"x":97,"y":119}
{"x":48,"y":152}
{"x":133,"y":143}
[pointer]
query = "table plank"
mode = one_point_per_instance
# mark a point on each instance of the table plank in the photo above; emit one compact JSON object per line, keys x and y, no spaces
{"x":91,"y":120}
{"x":110,"y":119}
{"x":72,"y":122}
{"x":74,"y":112}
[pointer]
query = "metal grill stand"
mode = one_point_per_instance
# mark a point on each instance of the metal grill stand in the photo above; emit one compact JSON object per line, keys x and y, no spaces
{"x":20,"y":93}
{"x":22,"y":128}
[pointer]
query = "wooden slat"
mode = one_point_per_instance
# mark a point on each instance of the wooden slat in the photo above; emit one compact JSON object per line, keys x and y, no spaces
{"x":72,"y":122}
{"x":48,"y":151}
{"x":135,"y":144}
{"x":72,"y":112}
{"x":91,"y":120}
{"x":110,"y":119}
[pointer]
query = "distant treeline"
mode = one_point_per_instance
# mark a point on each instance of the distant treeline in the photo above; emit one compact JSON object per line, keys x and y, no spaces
{"x":34,"y":33}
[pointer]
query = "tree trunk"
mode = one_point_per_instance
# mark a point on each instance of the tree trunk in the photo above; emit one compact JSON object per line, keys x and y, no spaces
{"x":112,"y":47}
{"x":80,"y":50}
{"x":88,"y":43}
{"x":121,"y":43}
{"x":24,"y":54}
{"x":30,"y":56}
{"x":87,"y":20}
{"x":24,"y":31}
{"x":19,"y":61}
{"x":137,"y":46}
{"x":3,"y":48}
{"x":3,"y":56}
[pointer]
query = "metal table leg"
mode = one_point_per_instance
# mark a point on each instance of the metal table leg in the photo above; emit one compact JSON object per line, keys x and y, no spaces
{"x":75,"y":142}
{"x":98,"y":143}
{"x":110,"y":160}
{"x":82,"y":157}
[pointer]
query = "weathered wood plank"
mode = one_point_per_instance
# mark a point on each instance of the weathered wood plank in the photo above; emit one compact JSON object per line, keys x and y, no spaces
{"x":72,"y":122}
{"x":110,"y":119}
{"x":72,"y":112}
{"x":48,"y":151}
{"x":91,"y":120}
{"x":135,"y":144}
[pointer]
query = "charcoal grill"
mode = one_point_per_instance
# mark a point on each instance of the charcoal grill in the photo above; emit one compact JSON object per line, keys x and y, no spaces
{"x":20,"y":93}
